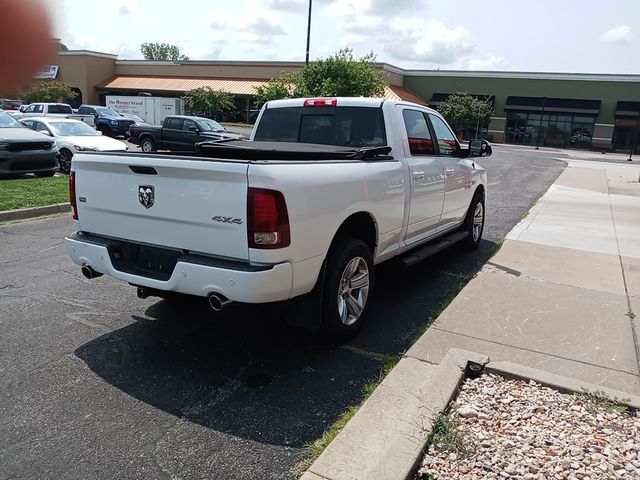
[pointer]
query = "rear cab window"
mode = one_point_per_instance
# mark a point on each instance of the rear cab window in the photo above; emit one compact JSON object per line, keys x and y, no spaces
{"x":66,"y":109}
{"x":325,"y":125}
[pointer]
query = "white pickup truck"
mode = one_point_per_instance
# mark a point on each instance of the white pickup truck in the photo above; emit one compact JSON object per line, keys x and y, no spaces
{"x":54,"y":110}
{"x":324,"y":190}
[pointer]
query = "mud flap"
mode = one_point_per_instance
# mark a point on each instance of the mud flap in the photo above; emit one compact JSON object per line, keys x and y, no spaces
{"x":305,"y":311}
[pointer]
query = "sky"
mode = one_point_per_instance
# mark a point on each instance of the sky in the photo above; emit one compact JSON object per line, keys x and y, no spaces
{"x":587,"y":36}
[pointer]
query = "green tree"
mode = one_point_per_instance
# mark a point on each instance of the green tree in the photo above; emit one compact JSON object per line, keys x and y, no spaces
{"x":276,"y":89}
{"x":162,"y":51}
{"x":206,"y":101}
{"x":339,"y":75}
{"x":49,"y":91}
{"x":464,"y":111}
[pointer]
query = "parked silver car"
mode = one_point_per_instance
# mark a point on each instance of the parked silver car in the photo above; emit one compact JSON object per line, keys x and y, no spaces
{"x":25,"y":151}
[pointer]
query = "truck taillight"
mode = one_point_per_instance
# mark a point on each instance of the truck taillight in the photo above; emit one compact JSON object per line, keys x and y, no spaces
{"x":267,"y":219}
{"x":72,"y":195}
{"x":320,"y":102}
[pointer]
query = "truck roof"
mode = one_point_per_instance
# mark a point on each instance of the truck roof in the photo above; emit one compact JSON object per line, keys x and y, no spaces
{"x":190,"y":117}
{"x":370,"y":102}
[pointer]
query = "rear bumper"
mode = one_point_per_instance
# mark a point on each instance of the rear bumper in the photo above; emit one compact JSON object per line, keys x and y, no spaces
{"x":242,"y":284}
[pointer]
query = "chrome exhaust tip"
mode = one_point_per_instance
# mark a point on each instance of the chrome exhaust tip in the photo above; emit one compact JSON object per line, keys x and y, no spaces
{"x":89,"y":272}
{"x":217,"y":302}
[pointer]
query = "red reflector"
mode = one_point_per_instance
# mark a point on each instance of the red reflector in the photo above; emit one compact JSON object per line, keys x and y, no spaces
{"x":320,"y":102}
{"x":268,"y":220}
{"x":72,"y":195}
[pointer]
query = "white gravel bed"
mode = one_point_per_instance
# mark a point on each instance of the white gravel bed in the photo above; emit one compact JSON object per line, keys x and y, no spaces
{"x":500,"y":429}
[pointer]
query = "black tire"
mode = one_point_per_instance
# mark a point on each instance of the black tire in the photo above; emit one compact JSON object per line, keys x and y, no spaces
{"x":474,"y":236}
{"x":64,"y":157}
{"x":336,"y":325}
{"x":45,"y":174}
{"x":147,"y":145}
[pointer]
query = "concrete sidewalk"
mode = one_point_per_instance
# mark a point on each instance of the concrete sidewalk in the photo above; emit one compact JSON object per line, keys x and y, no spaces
{"x":561,"y":293}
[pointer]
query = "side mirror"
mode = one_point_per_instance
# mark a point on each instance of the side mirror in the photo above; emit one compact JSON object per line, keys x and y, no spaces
{"x":479,"y":148}
{"x":193,"y":128}
{"x":45,"y":132}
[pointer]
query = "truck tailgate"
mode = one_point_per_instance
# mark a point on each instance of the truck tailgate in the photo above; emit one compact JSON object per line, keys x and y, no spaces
{"x":179,"y":203}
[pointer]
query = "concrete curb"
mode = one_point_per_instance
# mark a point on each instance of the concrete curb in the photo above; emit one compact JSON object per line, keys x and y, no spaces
{"x":559,"y":382}
{"x":23,"y":213}
{"x":386,"y":438}
{"x":402,"y":409}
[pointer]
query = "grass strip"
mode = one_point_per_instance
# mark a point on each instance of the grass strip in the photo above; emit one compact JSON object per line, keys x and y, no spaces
{"x":33,"y":192}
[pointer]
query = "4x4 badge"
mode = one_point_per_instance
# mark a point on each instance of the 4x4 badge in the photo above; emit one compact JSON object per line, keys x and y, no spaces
{"x":146,"y":195}
{"x":221,"y":219}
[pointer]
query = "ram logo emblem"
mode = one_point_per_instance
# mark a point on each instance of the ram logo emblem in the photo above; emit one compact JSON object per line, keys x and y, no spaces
{"x":146,"y":195}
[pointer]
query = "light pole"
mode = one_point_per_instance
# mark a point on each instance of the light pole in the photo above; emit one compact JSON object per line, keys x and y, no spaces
{"x":308,"y":34}
{"x":544,"y":100}
{"x":478,"y":122}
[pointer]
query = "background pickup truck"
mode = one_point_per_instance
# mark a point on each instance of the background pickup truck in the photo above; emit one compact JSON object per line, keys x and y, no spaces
{"x":179,"y":133}
{"x":54,"y":110}
{"x":326,"y":189}
{"x":107,"y":120}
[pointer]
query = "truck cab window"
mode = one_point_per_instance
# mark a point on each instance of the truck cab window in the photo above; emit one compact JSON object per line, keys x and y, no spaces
{"x":188,"y":124}
{"x":420,"y":142}
{"x":447,"y":142}
{"x":175,"y":123}
{"x":342,"y":126}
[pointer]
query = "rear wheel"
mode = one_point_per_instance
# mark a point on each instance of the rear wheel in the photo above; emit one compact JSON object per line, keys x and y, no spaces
{"x":474,"y":222}
{"x":147,"y":145}
{"x":348,"y":288}
{"x":65,"y":160}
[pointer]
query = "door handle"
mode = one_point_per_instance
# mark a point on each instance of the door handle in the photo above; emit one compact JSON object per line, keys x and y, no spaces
{"x":449,"y":171}
{"x":417,"y":177}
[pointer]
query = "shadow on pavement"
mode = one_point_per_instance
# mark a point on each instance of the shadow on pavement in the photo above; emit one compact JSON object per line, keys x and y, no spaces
{"x":244,"y":372}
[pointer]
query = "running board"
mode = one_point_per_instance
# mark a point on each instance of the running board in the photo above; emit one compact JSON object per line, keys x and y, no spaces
{"x":432,"y":248}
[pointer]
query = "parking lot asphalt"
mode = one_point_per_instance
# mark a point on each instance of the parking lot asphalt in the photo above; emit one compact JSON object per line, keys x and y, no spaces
{"x":96,"y":383}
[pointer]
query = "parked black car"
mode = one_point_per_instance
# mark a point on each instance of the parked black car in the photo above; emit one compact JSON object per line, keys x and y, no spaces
{"x":25,"y":151}
{"x":178,"y":132}
{"x":108,"y":121}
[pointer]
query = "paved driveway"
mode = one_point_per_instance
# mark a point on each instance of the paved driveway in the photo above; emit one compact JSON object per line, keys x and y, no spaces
{"x":95,"y":383}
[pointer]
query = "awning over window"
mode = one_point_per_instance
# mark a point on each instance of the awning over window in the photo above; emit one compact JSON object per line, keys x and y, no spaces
{"x":560,"y":105}
{"x":438,"y":98}
{"x":130,"y":84}
{"x":393,"y":92}
{"x":628,"y":109}
{"x":179,"y":85}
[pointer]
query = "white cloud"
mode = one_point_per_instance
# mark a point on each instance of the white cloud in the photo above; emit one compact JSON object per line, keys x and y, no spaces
{"x":619,"y":34}
{"x":380,"y":8}
{"x":121,"y":47}
{"x":288,"y":6}
{"x":429,"y":42}
{"x":401,"y":31}
{"x":489,"y":62}
{"x":123,"y":7}
{"x":258,"y":27}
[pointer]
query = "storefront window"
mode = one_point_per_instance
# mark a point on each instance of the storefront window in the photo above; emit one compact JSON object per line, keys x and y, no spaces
{"x":550,"y":130}
{"x":627,"y":134}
